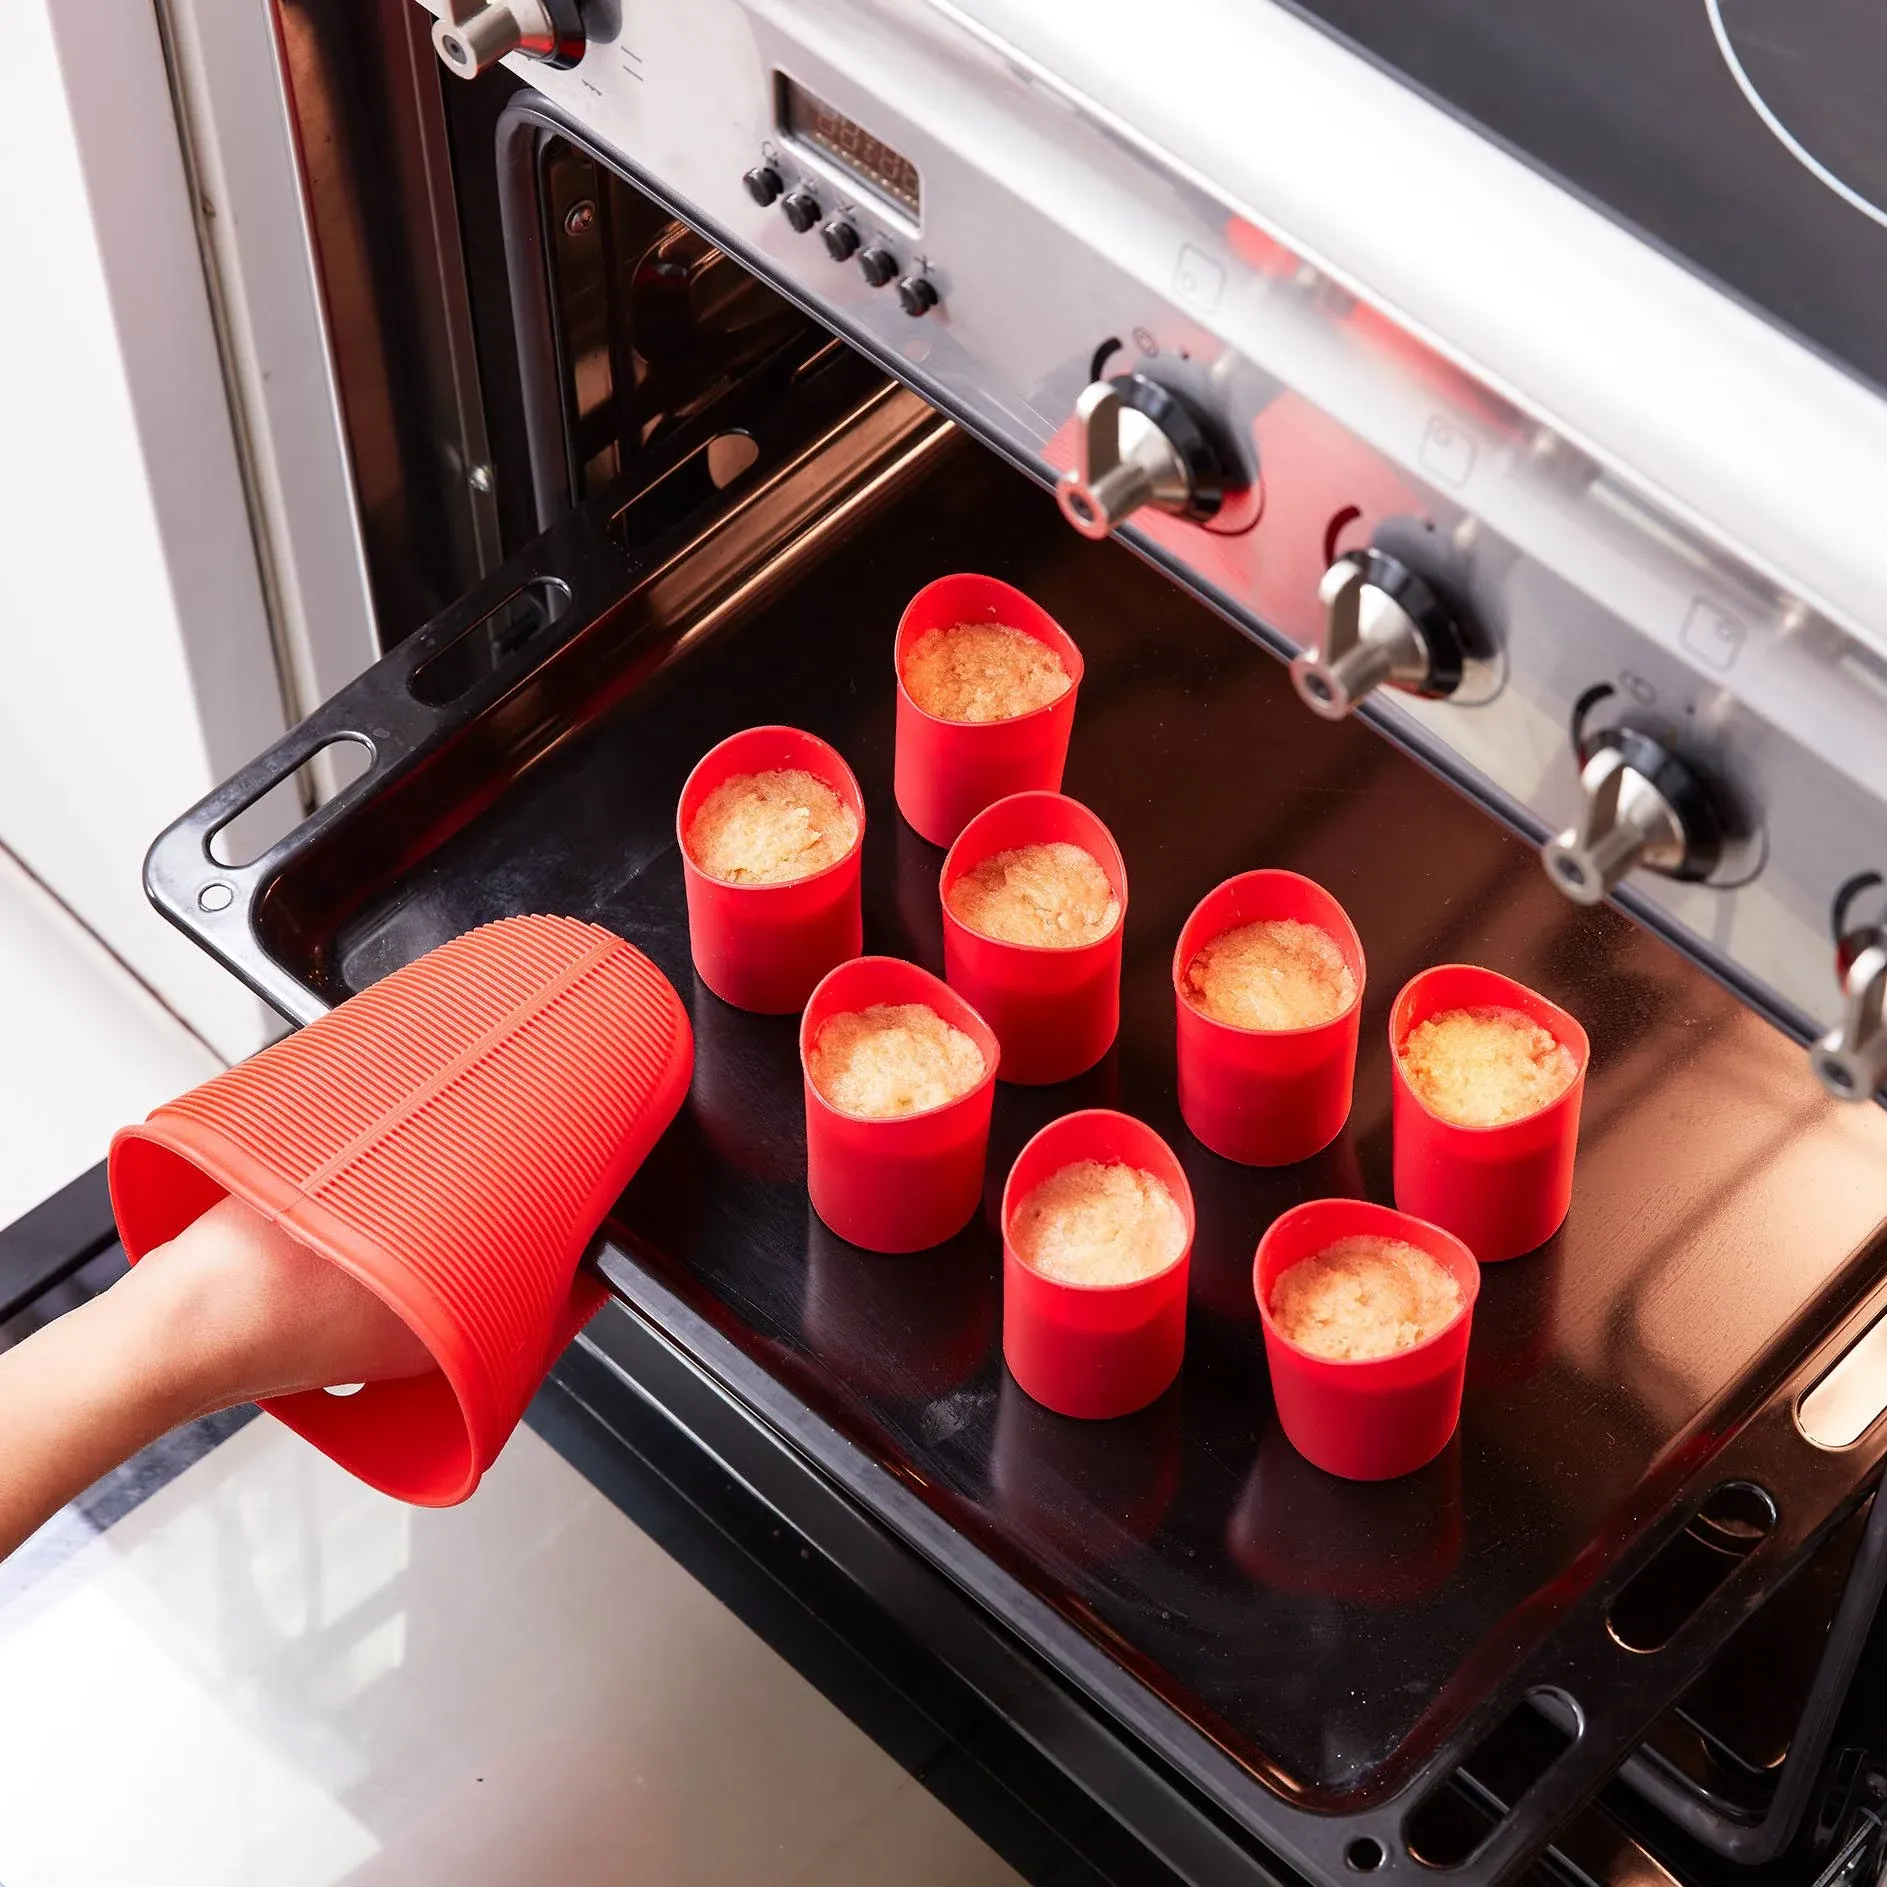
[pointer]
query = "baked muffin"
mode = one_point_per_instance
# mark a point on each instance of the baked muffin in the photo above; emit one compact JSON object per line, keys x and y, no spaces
{"x":1092,"y":1222}
{"x":982,"y":671}
{"x":1276,"y":973}
{"x":1054,"y":896}
{"x":892,"y":1059}
{"x":771,"y":828}
{"x":1364,"y":1296}
{"x":1484,"y":1067}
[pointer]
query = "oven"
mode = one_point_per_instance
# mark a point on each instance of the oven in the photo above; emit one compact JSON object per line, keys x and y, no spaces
{"x":1468,"y":591}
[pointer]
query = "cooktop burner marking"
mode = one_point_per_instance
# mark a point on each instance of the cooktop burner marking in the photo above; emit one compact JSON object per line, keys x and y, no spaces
{"x":1780,"y":131}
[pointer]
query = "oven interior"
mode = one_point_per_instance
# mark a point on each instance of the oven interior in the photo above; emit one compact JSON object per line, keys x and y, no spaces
{"x":736,"y":502}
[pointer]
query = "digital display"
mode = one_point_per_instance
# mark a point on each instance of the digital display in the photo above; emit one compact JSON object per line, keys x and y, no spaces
{"x":850,"y":146}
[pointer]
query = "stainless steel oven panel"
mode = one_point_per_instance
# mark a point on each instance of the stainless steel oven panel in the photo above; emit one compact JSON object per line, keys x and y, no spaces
{"x":1046,"y":233}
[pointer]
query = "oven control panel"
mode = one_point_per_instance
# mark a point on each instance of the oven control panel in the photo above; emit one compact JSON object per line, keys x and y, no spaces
{"x":1677,"y":729}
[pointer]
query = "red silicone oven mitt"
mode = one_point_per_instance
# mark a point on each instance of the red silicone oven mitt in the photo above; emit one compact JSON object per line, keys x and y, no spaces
{"x":452,"y":1137}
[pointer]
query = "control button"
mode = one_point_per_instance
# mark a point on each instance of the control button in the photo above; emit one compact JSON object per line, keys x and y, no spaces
{"x":1140,"y":444}
{"x":1640,"y":805}
{"x":470,"y":36}
{"x":878,"y":266}
{"x":841,"y":239}
{"x":764,"y":184}
{"x":917,"y":295}
{"x":1851,"y":1059}
{"x":1382,"y":623}
{"x":801,"y":209}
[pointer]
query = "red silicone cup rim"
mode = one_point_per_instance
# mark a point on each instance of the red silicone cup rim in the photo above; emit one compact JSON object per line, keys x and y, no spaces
{"x":1326,"y":1404}
{"x":908,"y":1183}
{"x":945,"y":772}
{"x":1094,"y":1351}
{"x":764,"y":947}
{"x":1055,"y":1010}
{"x":1451,"y":1173}
{"x":1413,"y":1005}
{"x":997,"y":601}
{"x":1266,"y":1097}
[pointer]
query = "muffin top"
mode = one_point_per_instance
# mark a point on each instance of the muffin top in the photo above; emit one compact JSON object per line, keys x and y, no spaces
{"x":1054,"y":895}
{"x":982,"y":671}
{"x":1364,"y":1296}
{"x":892,"y":1059}
{"x":1277,"y":973}
{"x":1487,"y":1066}
{"x":1098,"y":1223}
{"x":771,"y":828}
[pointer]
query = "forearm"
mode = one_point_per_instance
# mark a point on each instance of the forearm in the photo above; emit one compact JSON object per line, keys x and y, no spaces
{"x":76,"y":1399}
{"x":231,"y":1310}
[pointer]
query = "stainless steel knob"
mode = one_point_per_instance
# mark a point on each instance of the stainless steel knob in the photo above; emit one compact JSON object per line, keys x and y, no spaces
{"x":1140,"y":445}
{"x":1383,"y":624}
{"x":1643,"y":806}
{"x":470,"y":37}
{"x":1850,"y":1061}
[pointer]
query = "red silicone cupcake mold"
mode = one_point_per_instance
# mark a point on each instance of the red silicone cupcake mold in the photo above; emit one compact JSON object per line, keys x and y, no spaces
{"x":1373,"y":1419}
{"x":910,"y":1183}
{"x":1266,"y":1097}
{"x":1094,"y":1350}
{"x":945,"y":772}
{"x":451,"y":1137}
{"x":763,"y":947}
{"x":1056,"y":1012}
{"x":1503,"y":1190}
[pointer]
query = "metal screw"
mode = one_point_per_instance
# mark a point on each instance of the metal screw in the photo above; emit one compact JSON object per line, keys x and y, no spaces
{"x":580,"y":218}
{"x":480,"y":478}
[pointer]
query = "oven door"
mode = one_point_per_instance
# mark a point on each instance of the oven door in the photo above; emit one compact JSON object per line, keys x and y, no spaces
{"x":1249,"y":1664}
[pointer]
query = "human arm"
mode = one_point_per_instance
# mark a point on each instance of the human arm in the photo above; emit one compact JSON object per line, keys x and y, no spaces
{"x":231,"y":1310}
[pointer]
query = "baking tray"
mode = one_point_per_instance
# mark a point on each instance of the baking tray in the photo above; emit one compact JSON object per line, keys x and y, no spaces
{"x":1314,"y":1658}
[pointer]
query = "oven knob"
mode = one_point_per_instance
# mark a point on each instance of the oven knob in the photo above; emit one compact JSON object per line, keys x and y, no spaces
{"x":878,"y":266}
{"x":917,"y":294}
{"x":1643,"y":806}
{"x":1140,"y":445}
{"x":764,"y":184}
{"x":1382,"y":623}
{"x":841,"y":239}
{"x":470,"y":37}
{"x":1851,"y":1059}
{"x":801,"y":209}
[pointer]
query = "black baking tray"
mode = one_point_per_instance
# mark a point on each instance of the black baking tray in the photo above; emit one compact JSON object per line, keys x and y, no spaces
{"x":1313,"y":1658}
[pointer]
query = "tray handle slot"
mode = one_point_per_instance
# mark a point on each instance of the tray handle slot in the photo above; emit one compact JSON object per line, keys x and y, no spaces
{"x":1851,"y":1397}
{"x":477,"y":648}
{"x":274,"y":813}
{"x":1455,"y":1820}
{"x":1679,"y":1579}
{"x":482,"y":648}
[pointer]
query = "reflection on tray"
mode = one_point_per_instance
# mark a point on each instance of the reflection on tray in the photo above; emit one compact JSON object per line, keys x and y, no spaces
{"x":910,"y":1327}
{"x":1234,"y":1204}
{"x":746,"y":1091}
{"x":1369,"y":1542}
{"x":1088,"y":1492}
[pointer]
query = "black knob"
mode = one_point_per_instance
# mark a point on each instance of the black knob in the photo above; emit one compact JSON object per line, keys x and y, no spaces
{"x":1641,"y":804}
{"x":917,"y":295}
{"x":764,"y":184}
{"x":878,"y":266}
{"x":801,"y":209}
{"x":841,"y":239}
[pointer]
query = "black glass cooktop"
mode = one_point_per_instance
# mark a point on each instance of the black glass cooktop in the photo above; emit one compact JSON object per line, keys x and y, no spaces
{"x":1748,"y":137}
